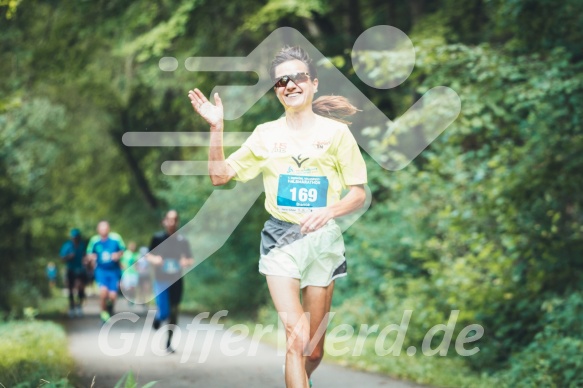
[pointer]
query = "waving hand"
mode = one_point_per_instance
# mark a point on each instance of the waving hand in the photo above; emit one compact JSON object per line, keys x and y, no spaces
{"x":213,"y":114}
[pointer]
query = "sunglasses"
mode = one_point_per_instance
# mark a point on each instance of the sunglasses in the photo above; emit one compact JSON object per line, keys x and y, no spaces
{"x":296,"y":78}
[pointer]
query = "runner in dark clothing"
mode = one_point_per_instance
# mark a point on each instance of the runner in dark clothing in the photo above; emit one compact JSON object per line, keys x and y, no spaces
{"x":171,"y":254}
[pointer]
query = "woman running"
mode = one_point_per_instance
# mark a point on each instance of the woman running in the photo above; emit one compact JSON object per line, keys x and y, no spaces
{"x":307,"y":158}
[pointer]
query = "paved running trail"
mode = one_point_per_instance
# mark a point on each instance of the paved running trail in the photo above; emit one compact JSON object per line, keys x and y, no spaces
{"x":200,"y":363}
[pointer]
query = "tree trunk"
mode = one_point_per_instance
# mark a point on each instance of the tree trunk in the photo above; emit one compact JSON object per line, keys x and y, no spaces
{"x":416,"y":10}
{"x":355,"y":24}
{"x":137,"y":173}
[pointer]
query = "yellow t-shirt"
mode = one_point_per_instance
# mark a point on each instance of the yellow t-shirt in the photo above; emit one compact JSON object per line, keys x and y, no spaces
{"x":303,"y":170}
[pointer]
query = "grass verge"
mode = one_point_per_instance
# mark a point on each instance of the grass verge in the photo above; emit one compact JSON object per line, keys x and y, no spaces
{"x":34,"y":353}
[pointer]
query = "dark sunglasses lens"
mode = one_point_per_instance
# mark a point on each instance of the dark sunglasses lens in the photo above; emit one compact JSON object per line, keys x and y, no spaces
{"x":282,"y":82}
{"x":299,"y":77}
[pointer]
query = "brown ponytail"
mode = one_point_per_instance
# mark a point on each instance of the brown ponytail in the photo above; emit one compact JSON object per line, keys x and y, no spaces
{"x":333,"y":107}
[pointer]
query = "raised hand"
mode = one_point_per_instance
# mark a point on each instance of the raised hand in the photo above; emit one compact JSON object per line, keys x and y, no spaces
{"x":213,"y":114}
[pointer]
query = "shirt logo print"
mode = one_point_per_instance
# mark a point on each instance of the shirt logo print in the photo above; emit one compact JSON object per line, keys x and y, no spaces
{"x":319,"y":145}
{"x":279,"y":147}
{"x":299,"y":161}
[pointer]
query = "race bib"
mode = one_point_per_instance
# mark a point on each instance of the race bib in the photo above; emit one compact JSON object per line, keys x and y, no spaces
{"x":299,"y":193}
{"x":106,"y":257}
{"x":170,"y":266}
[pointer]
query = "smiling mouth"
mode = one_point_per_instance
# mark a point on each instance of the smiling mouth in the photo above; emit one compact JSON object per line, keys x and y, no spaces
{"x":294,"y":94}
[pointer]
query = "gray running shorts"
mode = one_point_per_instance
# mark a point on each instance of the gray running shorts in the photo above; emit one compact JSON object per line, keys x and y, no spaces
{"x":315,"y":258}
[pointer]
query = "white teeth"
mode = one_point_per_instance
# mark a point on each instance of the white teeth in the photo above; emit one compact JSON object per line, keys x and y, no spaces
{"x":293,"y":95}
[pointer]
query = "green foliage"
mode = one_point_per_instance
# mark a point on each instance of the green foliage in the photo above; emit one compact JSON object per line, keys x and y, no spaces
{"x":270,"y":14}
{"x":129,"y":381}
{"x":33,"y":353}
{"x":487,"y":221}
{"x":158,"y":40}
{"x":10,"y":7}
{"x":553,"y":358}
{"x":540,"y":25}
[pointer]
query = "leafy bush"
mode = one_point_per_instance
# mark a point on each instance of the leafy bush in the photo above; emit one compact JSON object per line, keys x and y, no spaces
{"x":486,"y":220}
{"x":553,"y":358}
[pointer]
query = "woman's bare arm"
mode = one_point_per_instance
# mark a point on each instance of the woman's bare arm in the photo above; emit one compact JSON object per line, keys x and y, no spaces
{"x":219,"y":171}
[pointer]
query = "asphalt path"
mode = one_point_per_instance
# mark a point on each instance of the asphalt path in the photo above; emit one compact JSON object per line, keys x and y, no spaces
{"x":206,"y":354}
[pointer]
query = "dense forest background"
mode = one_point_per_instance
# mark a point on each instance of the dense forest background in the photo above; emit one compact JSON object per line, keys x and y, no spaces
{"x":488,"y":220}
